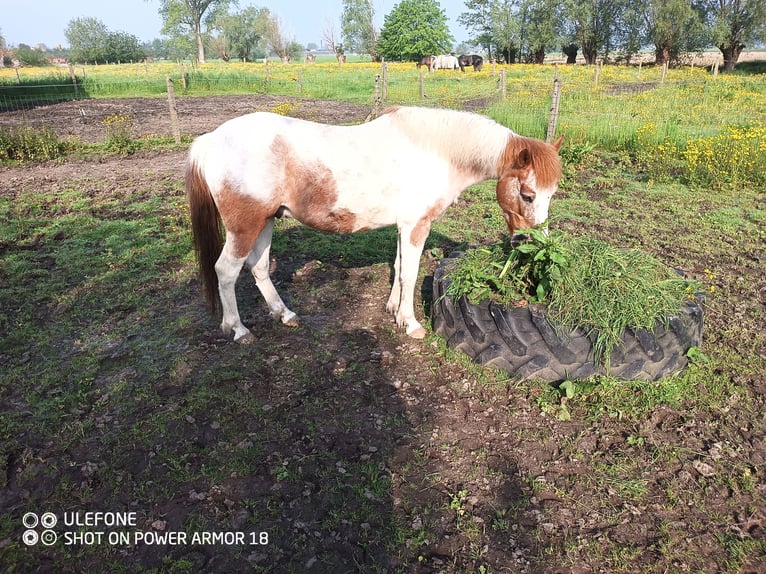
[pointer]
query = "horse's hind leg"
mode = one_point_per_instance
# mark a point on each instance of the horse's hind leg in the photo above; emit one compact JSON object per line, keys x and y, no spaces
{"x":258,"y":261}
{"x":227,"y":268}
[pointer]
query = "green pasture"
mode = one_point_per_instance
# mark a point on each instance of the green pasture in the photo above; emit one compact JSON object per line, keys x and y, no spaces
{"x":604,"y":105}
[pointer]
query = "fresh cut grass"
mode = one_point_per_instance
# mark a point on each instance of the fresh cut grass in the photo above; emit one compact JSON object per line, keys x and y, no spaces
{"x":585,"y":282}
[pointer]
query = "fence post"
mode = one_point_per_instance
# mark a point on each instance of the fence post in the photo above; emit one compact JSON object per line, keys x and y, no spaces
{"x":503,"y":90}
{"x":384,"y":73}
{"x":422,"y":85}
{"x":664,"y":72}
{"x":554,"y":116}
{"x":300,"y":82}
{"x":174,"y":126}
{"x":73,"y":77}
{"x":183,"y":74}
{"x":376,"y":99}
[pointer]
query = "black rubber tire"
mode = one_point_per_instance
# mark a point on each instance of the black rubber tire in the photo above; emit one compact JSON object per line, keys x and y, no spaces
{"x":523,"y":342}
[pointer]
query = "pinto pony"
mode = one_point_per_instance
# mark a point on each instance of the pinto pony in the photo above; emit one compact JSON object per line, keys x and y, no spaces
{"x":404,"y":168}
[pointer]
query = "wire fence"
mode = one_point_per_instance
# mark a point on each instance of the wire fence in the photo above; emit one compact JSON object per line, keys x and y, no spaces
{"x":592,"y":107}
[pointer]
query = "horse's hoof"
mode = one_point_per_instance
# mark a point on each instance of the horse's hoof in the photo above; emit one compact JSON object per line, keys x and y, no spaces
{"x":246,"y":339}
{"x":419,"y":333}
{"x":292,"y":321}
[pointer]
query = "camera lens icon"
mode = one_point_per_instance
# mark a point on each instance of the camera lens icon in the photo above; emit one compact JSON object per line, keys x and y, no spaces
{"x":48,"y":520}
{"x":48,"y":537}
{"x":30,"y":538}
{"x":29,"y":520}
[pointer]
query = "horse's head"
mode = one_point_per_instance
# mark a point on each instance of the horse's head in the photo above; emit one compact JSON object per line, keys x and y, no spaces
{"x":529,"y":176}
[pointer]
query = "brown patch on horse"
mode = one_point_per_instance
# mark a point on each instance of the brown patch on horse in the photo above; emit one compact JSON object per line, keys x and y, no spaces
{"x":244,"y":218}
{"x":310,"y":192}
{"x":390,"y":110}
{"x":423,"y":227}
{"x":543,"y":158}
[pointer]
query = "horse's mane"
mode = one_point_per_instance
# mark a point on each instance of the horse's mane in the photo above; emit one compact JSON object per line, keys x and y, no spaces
{"x":474,"y":141}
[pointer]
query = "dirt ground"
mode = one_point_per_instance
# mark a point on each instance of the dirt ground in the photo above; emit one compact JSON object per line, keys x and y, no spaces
{"x":478,"y":478}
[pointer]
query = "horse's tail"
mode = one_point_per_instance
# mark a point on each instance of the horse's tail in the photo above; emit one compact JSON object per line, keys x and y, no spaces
{"x":207,"y":228}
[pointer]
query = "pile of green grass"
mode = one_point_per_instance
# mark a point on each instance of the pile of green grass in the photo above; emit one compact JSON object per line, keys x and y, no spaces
{"x":584,"y":282}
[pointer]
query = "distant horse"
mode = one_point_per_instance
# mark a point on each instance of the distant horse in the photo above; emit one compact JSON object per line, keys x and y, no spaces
{"x":403,"y":168}
{"x":444,"y":62}
{"x":473,"y":60}
{"x":427,"y":62}
{"x":310,"y":58}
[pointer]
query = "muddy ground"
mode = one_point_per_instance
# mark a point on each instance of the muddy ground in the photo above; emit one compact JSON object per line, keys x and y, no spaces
{"x":375,"y":452}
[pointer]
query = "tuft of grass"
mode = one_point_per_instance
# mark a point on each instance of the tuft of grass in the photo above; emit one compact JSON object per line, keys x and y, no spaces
{"x":606,"y":290}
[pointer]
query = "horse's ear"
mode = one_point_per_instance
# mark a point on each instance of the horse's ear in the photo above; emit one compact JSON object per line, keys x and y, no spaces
{"x":558,"y":142}
{"x":524,"y":159}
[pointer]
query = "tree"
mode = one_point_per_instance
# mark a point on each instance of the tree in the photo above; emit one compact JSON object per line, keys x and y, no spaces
{"x":592,"y":25}
{"x":182,"y":16}
{"x":330,"y":40}
{"x":672,"y":27}
{"x":413,"y":29}
{"x":358,"y":28}
{"x":540,"y":25}
{"x":28,"y":56}
{"x":242,"y":32}
{"x":87,"y":39}
{"x":506,"y":33}
{"x":282,"y":45}
{"x":478,"y":19}
{"x":734,"y":24}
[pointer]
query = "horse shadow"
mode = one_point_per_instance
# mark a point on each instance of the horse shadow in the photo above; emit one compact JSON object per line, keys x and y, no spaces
{"x":295,"y":248}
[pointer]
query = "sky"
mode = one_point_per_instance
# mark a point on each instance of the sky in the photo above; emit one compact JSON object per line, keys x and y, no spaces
{"x":43,"y":21}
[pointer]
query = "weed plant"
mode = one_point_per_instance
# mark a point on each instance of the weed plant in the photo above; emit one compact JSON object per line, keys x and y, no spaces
{"x":585,"y":282}
{"x":28,"y":143}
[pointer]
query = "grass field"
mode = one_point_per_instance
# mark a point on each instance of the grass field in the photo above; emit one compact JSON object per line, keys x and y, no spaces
{"x":350,"y":447}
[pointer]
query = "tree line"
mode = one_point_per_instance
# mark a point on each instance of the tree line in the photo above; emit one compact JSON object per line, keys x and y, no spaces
{"x":506,"y":30}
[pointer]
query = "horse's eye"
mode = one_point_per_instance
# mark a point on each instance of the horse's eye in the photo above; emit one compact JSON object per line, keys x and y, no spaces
{"x":527,"y":197}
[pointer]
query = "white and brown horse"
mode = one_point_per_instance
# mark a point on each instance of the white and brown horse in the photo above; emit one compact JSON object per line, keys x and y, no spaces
{"x":445,"y":62}
{"x":404,"y":168}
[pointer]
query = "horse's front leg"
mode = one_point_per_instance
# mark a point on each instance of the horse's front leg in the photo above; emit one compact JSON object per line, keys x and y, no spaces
{"x":394,"y":300}
{"x":410,"y":247}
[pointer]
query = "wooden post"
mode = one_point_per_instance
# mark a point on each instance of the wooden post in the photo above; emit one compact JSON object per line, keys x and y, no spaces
{"x":595,"y":74}
{"x":422,"y":85}
{"x":715,"y":68}
{"x":73,"y":77}
{"x":664,"y":72}
{"x":182,"y":72}
{"x":554,"y":116}
{"x":376,"y":101}
{"x":384,"y":73}
{"x":266,"y":65}
{"x":18,"y":77}
{"x":503,"y":90}
{"x":639,"y":70}
{"x":300,"y":82}
{"x":174,"y":125}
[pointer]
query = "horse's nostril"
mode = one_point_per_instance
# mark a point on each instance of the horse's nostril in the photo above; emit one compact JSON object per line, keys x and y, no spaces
{"x":519,"y":238}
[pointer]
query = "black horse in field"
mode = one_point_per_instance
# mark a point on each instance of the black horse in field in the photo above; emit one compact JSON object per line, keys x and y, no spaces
{"x":476,"y":61}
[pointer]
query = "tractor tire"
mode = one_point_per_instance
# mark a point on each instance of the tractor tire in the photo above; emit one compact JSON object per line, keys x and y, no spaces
{"x":523,"y":342}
